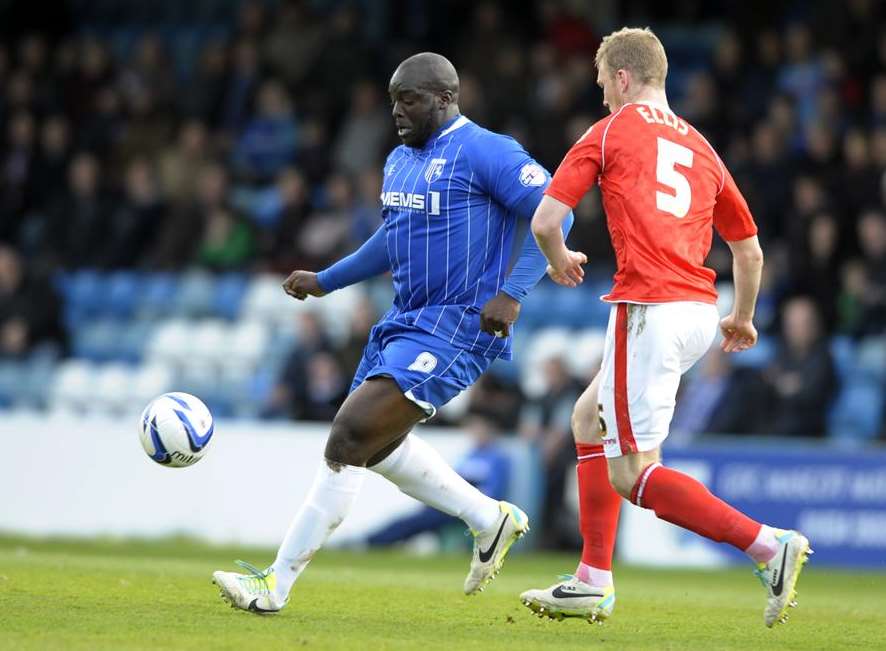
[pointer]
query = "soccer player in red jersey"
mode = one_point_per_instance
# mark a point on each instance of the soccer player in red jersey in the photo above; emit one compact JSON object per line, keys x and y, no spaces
{"x":663,"y":187}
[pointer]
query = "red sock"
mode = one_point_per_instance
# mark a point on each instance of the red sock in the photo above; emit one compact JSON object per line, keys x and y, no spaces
{"x":598,"y":505}
{"x":683,"y":501}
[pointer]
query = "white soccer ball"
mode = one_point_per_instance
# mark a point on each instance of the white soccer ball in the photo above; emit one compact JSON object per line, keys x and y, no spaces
{"x":176,"y":429}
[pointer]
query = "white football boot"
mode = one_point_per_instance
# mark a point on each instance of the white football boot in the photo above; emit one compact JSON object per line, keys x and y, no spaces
{"x":491,"y":546}
{"x":572,"y":597}
{"x":253,"y":592}
{"x":779,"y":576}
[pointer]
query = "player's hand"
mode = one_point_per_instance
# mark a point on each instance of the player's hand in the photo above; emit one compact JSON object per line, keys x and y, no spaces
{"x":738,"y":334}
{"x":568,"y":271}
{"x":301,"y":284}
{"x":499,"y":314}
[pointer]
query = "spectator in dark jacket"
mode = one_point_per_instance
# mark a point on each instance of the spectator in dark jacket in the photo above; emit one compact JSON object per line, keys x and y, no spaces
{"x":29,"y":308}
{"x":801,"y":380}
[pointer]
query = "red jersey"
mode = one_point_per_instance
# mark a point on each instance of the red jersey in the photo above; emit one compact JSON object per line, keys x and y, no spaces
{"x":663,"y":187}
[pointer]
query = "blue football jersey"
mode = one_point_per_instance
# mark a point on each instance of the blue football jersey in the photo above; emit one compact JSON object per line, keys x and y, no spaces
{"x":450,"y":213}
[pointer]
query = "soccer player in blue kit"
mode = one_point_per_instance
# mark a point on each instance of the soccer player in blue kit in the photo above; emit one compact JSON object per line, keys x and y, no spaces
{"x":452,"y":196}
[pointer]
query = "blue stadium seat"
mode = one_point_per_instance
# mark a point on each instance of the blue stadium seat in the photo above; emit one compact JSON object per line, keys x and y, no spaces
{"x":858,"y":411}
{"x":134,"y":337}
{"x":158,"y":294}
{"x":10,"y":378}
{"x":84,"y":294}
{"x":36,"y":377}
{"x":229,"y":292}
{"x":536,"y":308}
{"x":196,"y":295}
{"x":871,"y":357}
{"x":97,"y":340}
{"x":256,"y":393}
{"x":123,"y":291}
{"x":843,"y":352}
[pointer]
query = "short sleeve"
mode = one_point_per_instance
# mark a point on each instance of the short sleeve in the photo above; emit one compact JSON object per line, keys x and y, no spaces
{"x":510,"y":175}
{"x":732,"y":217}
{"x":580,"y":168}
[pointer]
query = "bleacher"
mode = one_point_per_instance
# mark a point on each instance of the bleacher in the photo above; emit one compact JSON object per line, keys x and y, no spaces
{"x":225,"y":338}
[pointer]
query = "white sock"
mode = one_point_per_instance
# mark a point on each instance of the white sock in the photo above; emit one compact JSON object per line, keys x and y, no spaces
{"x":764,"y":547}
{"x":419,"y":471}
{"x":327,"y":504}
{"x":594,"y":575}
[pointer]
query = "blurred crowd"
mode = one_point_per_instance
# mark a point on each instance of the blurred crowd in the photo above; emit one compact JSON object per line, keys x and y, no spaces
{"x":250,"y":137}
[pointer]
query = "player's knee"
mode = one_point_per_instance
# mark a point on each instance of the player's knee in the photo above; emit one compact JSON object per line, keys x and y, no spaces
{"x":622,"y":480}
{"x":586,"y":426}
{"x":348,"y":442}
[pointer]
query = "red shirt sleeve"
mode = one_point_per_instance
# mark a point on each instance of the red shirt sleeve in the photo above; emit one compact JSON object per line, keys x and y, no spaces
{"x":580,"y":168}
{"x":732,"y":217}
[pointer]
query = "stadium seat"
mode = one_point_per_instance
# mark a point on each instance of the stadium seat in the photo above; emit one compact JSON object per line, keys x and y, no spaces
{"x":85,"y":292}
{"x":229,"y":292}
{"x":209,"y":343}
{"x":856,"y":416}
{"x":536,"y":306}
{"x":843,"y":352}
{"x":10,"y":375}
{"x":134,"y":338}
{"x":195,"y":295}
{"x":544,"y":344}
{"x":586,"y":352}
{"x":97,"y":340}
{"x":336,"y":310}
{"x":73,"y":386}
{"x":158,"y":294}
{"x":247,"y":344}
{"x":123,"y":290}
{"x":266,"y":301}
{"x":111,"y":389}
{"x":148,"y":382}
{"x":170,"y":342}
{"x":34,"y":377}
{"x":871,"y":357}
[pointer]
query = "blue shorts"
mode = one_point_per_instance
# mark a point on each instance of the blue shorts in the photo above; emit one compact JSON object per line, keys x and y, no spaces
{"x":428,"y":370}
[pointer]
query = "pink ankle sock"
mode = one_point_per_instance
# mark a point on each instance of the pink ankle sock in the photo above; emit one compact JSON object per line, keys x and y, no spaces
{"x":594,"y":575}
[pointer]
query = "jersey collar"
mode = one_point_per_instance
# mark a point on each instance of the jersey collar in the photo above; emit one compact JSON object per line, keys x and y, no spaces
{"x":446,"y":128}
{"x":658,"y":105}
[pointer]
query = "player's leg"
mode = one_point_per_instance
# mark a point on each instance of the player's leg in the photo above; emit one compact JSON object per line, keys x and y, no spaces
{"x":599,"y":504}
{"x":430,"y":373}
{"x":372,"y":417}
{"x":686,"y":502}
{"x":640,"y":406}
{"x":590,"y":592}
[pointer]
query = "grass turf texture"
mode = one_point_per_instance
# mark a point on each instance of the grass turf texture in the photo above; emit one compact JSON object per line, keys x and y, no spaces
{"x":158,"y":595}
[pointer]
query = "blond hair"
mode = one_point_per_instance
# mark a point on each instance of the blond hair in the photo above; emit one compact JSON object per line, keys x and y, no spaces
{"x":637,"y":50}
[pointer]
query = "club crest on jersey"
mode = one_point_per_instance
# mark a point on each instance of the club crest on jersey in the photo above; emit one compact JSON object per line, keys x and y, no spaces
{"x":532,"y":174}
{"x":435,"y":169}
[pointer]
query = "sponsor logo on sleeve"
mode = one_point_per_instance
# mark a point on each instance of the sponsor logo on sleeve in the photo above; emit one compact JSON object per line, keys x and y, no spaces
{"x":532,"y":174}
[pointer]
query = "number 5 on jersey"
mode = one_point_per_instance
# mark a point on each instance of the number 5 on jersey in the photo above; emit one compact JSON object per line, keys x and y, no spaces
{"x":671,"y":154}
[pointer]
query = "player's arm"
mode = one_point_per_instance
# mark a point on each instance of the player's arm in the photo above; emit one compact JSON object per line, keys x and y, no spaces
{"x":517,"y":182}
{"x":734,"y":223}
{"x":579,"y":170}
{"x":738,"y":328}
{"x":369,"y":260}
{"x":565,"y":265}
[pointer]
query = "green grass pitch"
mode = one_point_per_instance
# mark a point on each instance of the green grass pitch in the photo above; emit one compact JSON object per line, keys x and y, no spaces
{"x":158,"y":595}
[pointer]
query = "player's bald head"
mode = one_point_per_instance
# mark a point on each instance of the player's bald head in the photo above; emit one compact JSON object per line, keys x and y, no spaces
{"x":424,"y":96}
{"x":427,"y":71}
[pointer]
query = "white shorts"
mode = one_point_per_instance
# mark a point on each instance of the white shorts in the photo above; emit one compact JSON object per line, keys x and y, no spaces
{"x":648,"y":348}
